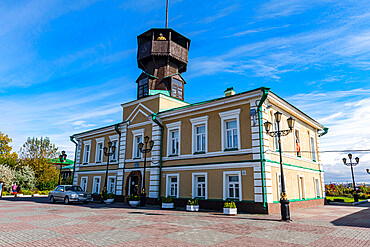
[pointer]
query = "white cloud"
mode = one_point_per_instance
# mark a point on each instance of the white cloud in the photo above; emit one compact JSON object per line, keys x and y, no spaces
{"x":347,"y":114}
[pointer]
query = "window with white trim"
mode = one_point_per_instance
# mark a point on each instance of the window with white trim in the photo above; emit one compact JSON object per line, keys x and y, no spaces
{"x":297,"y":143}
{"x":200,"y":183}
{"x":138,"y":136}
{"x":114,"y":155}
{"x":276,"y":138}
{"x":313,"y":148}
{"x":231,"y":134}
{"x":173,"y":138}
{"x":87,"y":150}
{"x":317,"y":187}
{"x":172,"y":185}
{"x":200,"y":138}
{"x":99,"y":152}
{"x":96,"y":185}
{"x":232,"y":185}
{"x":230,"y":130}
{"x":279,"y":188}
{"x":301,"y":187}
{"x":111,"y":184}
{"x":199,"y":135}
{"x":83,"y":183}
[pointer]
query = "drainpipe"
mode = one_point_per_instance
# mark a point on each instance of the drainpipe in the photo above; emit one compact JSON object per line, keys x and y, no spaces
{"x":263,"y":98}
{"x":154,"y":118}
{"x":74,"y":163}
{"x":325,"y":132}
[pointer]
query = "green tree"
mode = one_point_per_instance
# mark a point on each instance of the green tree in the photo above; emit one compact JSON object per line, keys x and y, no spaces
{"x":7,"y":157}
{"x":36,"y":153}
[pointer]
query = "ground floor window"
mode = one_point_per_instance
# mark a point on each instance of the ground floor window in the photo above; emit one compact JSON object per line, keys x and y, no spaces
{"x":199,"y":187}
{"x":317,"y":187}
{"x":96,"y":185}
{"x":83,"y":183}
{"x":111,"y":184}
{"x":172,"y":185}
{"x":301,"y":187}
{"x":232,"y":185}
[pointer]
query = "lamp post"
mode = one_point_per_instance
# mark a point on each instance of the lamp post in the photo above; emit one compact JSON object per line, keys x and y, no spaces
{"x":285,"y":212}
{"x":357,"y":159}
{"x":108,"y":151}
{"x":368,"y":171}
{"x":62,"y":159}
{"x":143,"y":147}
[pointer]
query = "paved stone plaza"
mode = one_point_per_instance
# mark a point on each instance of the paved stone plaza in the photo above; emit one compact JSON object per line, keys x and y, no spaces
{"x":35,"y":222}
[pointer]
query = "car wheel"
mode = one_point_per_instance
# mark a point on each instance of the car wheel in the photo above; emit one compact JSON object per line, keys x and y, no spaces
{"x":52,"y":200}
{"x":66,"y":200}
{"x":86,"y":202}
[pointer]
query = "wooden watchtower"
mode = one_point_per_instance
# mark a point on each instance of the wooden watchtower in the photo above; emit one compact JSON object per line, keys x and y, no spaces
{"x":162,"y":56}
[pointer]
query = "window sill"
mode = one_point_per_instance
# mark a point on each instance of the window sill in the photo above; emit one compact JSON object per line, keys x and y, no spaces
{"x":113,"y":161}
{"x":231,"y":149}
{"x":200,"y":152}
{"x":299,"y":156}
{"x":173,"y":155}
{"x":85,"y":163}
{"x":97,"y":162}
{"x":137,"y":158}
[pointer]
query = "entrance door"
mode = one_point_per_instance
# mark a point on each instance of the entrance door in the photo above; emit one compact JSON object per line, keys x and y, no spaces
{"x":134,"y":185}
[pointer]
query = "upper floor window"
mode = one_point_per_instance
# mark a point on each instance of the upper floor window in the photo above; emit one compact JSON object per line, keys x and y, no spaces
{"x":143,"y":88}
{"x":138,"y":136}
{"x":313,"y":148}
{"x":173,"y":138}
{"x":87,"y":149}
{"x":114,"y":155}
{"x":231,"y":134}
{"x":230,"y":130}
{"x":177,"y":88}
{"x":200,"y":134}
{"x":99,"y":150}
{"x":276,"y":139}
{"x":297,"y":143}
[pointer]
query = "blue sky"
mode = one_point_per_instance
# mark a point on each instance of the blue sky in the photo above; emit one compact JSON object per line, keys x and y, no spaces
{"x":66,"y":66}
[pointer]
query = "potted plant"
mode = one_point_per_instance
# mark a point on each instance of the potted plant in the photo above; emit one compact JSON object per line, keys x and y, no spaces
{"x":133,"y":200}
{"x":19,"y":194}
{"x":230,"y":208}
{"x":167,"y":203}
{"x":108,"y":198}
{"x":192,"y":205}
{"x":35,"y":193}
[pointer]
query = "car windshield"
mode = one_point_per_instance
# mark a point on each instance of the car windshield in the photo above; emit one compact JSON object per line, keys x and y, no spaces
{"x":73,"y":188}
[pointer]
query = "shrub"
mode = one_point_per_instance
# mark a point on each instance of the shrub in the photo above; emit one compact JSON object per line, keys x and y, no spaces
{"x":44,"y":192}
{"x":6,"y":193}
{"x":192,"y":202}
{"x":166,"y":200}
{"x":229,"y":205}
{"x":27,"y":192}
{"x":105,"y":195}
{"x":133,"y":198}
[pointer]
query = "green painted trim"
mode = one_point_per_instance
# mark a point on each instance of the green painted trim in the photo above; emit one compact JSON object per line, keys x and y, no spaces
{"x":325,"y":132}
{"x":164,"y":92}
{"x":213,"y":163}
{"x":263,"y":98}
{"x":307,"y":168}
{"x":97,"y":129}
{"x":97,"y":170}
{"x":301,"y":200}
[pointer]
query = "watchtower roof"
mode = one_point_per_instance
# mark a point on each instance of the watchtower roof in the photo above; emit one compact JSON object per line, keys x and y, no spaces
{"x":175,"y":36}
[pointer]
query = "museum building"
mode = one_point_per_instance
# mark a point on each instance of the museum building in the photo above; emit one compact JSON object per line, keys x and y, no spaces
{"x":214,"y":150}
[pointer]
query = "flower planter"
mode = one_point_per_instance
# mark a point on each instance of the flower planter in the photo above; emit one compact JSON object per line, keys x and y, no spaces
{"x":192,"y":208}
{"x":36,"y":195}
{"x":168,"y":205}
{"x":109,"y":201}
{"x":19,"y":195}
{"x":134,"y":203}
{"x":230,"y":211}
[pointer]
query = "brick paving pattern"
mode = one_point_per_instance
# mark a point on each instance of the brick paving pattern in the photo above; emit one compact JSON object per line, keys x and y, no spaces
{"x":36,"y":222}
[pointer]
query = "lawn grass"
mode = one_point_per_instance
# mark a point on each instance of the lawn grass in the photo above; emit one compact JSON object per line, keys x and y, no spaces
{"x":346,"y":199}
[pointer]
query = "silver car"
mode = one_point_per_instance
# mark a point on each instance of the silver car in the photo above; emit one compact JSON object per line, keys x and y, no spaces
{"x":69,"y":194}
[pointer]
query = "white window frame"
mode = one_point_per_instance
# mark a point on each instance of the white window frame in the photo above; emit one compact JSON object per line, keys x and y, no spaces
{"x":114,"y":184}
{"x":226,"y":174}
{"x":279,"y":186}
{"x":296,"y":129}
{"x":135,"y":147}
{"x":168,"y":177}
{"x":301,"y":187}
{"x":227,"y":116}
{"x":176,"y":126}
{"x":113,"y":139}
{"x":98,"y":141}
{"x":317,"y":187}
{"x":194,"y":184}
{"x":86,"y":156}
{"x":87,"y":179}
{"x":196,"y":122}
{"x":94,"y":184}
{"x":313,"y":148}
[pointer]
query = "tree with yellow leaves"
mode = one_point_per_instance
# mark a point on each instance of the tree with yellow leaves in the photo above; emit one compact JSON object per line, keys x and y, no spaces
{"x":7,"y":157}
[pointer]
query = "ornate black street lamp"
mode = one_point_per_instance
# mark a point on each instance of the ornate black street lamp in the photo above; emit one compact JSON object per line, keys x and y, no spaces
{"x":62,"y":159}
{"x":285,"y":212}
{"x":357,"y":159}
{"x":108,"y":151}
{"x":368,"y":171}
{"x":143,"y":147}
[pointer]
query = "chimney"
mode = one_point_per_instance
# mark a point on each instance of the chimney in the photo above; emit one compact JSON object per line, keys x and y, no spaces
{"x":229,"y":92}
